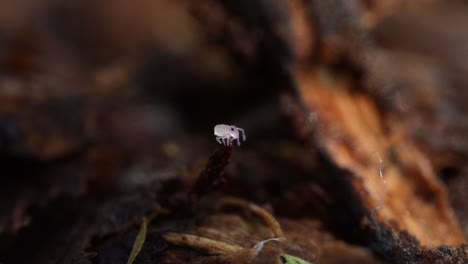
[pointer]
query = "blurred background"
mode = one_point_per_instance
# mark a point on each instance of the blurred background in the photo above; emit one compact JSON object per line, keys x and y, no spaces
{"x":107,"y":111}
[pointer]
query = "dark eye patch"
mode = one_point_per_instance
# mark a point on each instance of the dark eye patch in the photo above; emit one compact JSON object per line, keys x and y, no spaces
{"x":232,"y":129}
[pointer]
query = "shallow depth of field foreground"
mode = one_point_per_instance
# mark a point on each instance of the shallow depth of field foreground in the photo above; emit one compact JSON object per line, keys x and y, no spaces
{"x":230,"y":131}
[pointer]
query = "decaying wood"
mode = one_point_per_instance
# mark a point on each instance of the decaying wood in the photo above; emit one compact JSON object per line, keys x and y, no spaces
{"x":204,"y":244}
{"x":267,"y":217}
{"x":355,"y":112}
{"x":358,"y":137}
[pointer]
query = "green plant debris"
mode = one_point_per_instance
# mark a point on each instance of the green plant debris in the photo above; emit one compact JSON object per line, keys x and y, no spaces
{"x":140,"y":238}
{"x":288,"y":259}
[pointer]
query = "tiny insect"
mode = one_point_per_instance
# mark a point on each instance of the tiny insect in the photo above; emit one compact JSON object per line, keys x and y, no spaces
{"x":225,"y":134}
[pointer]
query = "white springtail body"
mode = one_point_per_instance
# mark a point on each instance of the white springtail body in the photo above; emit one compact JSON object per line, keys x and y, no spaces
{"x":225,"y":134}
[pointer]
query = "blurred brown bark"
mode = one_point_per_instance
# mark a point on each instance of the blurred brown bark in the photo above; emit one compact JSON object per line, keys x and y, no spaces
{"x":354,"y":111}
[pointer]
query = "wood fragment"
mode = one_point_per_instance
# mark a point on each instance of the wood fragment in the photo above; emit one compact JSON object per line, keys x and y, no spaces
{"x":264,"y":214}
{"x":212,"y":176}
{"x":203,"y":244}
